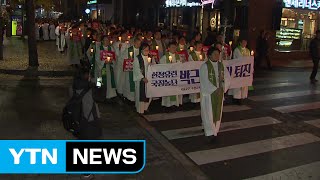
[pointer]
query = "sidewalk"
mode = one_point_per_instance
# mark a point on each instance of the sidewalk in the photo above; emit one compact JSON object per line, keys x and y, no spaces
{"x":54,"y":64}
{"x":31,"y":109}
{"x":16,"y":57}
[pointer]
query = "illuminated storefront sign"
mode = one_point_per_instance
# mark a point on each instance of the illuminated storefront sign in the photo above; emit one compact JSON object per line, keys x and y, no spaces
{"x":304,"y":4}
{"x":92,"y":2}
{"x":181,"y":3}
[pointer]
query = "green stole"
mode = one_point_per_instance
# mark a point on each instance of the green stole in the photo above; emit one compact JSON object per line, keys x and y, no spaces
{"x":194,"y":56}
{"x":217,"y":95}
{"x":104,"y":71}
{"x":245,"y":52}
{"x":172,"y":98}
{"x":132,"y":85}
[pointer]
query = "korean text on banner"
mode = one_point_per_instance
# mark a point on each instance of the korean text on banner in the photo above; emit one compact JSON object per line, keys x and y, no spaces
{"x":183,"y":78}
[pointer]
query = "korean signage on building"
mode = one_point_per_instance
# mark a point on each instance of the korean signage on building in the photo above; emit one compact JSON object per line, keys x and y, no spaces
{"x":302,"y":4}
{"x":182,"y":3}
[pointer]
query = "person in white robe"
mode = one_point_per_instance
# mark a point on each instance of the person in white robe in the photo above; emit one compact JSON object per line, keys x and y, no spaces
{"x":37,"y":31}
{"x":103,"y":68}
{"x":158,"y":44}
{"x":140,"y":69}
{"x":60,"y":32}
{"x":74,"y":46}
{"x":52,"y":29}
{"x":45,"y":30}
{"x":119,"y":47}
{"x":168,"y":58}
{"x":129,"y":85}
{"x":196,"y":55}
{"x":240,"y":93}
{"x":212,"y":87}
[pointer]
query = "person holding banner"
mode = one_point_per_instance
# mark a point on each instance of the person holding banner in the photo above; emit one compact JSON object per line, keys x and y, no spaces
{"x":140,"y":68}
{"x":212,"y":88}
{"x":240,"y":93}
{"x":158,"y":44}
{"x":120,"y":47}
{"x":129,"y":55}
{"x":168,"y":58}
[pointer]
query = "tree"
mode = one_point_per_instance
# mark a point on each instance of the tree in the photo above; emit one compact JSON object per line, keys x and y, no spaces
{"x":32,"y":43}
{"x":1,"y":31}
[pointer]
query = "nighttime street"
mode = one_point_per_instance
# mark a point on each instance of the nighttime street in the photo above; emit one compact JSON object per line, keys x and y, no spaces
{"x":213,"y":93}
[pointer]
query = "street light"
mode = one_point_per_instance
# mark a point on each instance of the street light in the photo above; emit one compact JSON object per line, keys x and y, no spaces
{"x":87,"y":11}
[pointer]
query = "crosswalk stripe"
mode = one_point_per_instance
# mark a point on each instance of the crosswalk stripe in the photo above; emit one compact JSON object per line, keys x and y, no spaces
{"x":298,"y":107}
{"x":225,"y":126}
{"x":307,"y":171}
{"x":252,"y":148}
{"x":284,"y":84}
{"x":283,"y":95}
{"x":192,"y":113}
{"x":315,"y":123}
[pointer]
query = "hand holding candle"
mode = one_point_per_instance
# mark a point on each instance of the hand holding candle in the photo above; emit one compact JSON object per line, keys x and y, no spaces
{"x":149,"y":60}
{"x":157,"y":48}
{"x":108,"y":59}
{"x":252,"y":53}
{"x":200,"y":57}
{"x":191,"y":48}
{"x":119,"y":38}
{"x":131,"y":54}
{"x":170,"y":59}
{"x":230,"y":43}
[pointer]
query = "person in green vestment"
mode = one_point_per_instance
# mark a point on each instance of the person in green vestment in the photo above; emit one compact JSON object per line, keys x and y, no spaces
{"x":212,"y":88}
{"x":239,"y":94}
{"x":168,"y":58}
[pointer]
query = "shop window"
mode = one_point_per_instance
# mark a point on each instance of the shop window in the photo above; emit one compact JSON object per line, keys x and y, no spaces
{"x":297,"y":28}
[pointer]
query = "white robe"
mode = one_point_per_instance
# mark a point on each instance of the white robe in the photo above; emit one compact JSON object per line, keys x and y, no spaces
{"x":52,"y":32}
{"x":119,"y":75}
{"x":62,"y":38}
{"x":166,"y":100}
{"x":111,"y":92}
{"x":207,"y":88}
{"x":37,"y":30}
{"x":126,"y":89}
{"x":141,"y":107}
{"x":238,"y":93}
{"x":45,"y":30}
{"x":194,"y":98}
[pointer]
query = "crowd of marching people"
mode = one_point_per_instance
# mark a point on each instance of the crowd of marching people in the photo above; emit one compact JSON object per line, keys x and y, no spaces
{"x":106,"y":48}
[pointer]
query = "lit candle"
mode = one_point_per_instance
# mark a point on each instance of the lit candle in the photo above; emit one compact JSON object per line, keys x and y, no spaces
{"x":91,"y":50}
{"x":191,"y":48}
{"x":142,"y":37}
{"x":70,"y":34}
{"x":79,"y":29}
{"x":151,"y":37}
{"x":127,"y":42}
{"x":230,"y":43}
{"x":157,"y":47}
{"x":93,"y":41}
{"x":252,"y":53}
{"x":131,"y":54}
{"x":149,"y":60}
{"x":170,"y":59}
{"x":181,"y":49}
{"x":108,"y":59}
{"x":200,"y":56}
{"x":129,"y":37}
{"x":81,"y":35}
{"x":88,"y":35}
{"x":119,"y":38}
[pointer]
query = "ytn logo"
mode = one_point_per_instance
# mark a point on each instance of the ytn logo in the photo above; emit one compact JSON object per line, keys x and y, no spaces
{"x":99,"y":156}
